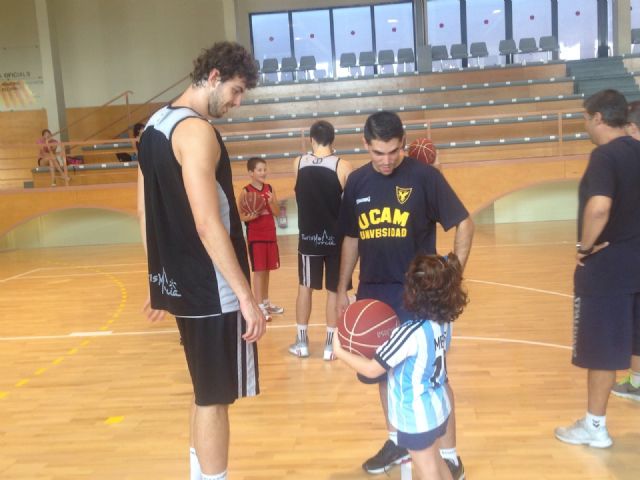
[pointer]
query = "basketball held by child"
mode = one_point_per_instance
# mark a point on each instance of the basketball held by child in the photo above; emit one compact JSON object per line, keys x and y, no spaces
{"x":366,"y":325}
{"x":424,"y":150}
{"x":252,"y":202}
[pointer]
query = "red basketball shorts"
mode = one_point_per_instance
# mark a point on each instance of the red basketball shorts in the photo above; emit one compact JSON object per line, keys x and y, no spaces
{"x":264,"y":256}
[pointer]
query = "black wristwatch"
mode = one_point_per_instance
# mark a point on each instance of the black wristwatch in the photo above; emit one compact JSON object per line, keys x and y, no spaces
{"x":585,"y":251}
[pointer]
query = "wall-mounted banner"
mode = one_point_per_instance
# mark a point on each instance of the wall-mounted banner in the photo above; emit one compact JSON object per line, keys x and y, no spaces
{"x":20,"y":78}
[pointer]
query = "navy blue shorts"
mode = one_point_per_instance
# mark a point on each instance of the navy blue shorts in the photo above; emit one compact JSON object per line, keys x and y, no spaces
{"x":606,"y":331}
{"x":420,"y":441}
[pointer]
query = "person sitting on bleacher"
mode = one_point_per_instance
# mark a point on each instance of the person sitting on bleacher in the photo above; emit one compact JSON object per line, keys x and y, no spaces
{"x":48,"y":156}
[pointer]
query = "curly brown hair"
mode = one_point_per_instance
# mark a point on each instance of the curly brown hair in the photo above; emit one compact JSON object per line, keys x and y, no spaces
{"x":433,"y":288}
{"x":230,"y":59}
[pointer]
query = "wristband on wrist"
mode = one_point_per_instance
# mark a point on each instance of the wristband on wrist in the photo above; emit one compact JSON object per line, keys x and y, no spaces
{"x":584,"y":251}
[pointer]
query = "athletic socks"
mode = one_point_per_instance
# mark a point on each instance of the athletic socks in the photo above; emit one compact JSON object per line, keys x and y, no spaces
{"x":194,"y":465}
{"x":393,"y":436}
{"x":634,"y":378}
{"x":450,"y":454}
{"x":302,"y":333}
{"x":594,"y":422}
{"x":215,"y":476}
{"x":330,"y":332}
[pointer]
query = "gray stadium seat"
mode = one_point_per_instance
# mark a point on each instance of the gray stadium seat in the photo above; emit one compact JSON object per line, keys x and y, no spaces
{"x":527,"y":45}
{"x":549,"y":44}
{"x":386,"y":57}
{"x":289,"y":66}
{"x":270,"y":68}
{"x":635,"y":37}
{"x":348,"y":60}
{"x":366,"y":60}
{"x":406,"y":57}
{"x":459,"y":52}
{"x":478,"y":50}
{"x":439,"y":52}
{"x":507,"y":48}
{"x":307,"y":64}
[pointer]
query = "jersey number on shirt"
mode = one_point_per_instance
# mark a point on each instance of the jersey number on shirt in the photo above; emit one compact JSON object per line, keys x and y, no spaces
{"x":438,"y":363}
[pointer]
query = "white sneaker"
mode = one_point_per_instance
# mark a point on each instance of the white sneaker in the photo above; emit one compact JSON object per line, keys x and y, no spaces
{"x":275,"y":309}
{"x":299,"y":349}
{"x":580,"y":434}
{"x":328,"y":353}
{"x":265,"y":313}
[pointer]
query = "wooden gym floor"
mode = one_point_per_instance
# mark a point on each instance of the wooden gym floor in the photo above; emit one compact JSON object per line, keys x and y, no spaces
{"x":90,"y":390}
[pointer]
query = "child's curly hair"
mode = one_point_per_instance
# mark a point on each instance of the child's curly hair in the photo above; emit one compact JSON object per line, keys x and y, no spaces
{"x":433,"y":288}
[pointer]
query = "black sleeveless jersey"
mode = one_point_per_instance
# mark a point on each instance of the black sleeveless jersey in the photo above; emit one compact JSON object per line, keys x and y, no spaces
{"x":182,"y":278}
{"x":318,"y":194}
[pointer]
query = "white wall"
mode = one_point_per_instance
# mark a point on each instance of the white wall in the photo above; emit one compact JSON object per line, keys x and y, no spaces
{"x":109,"y":46}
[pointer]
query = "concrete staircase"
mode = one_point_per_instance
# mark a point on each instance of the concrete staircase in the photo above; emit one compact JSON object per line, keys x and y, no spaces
{"x":595,"y":74}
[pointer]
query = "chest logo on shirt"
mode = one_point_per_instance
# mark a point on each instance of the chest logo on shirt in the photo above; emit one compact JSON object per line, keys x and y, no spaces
{"x":403,"y":194}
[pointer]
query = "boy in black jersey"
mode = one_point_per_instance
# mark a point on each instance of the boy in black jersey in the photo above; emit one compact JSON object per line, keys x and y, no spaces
{"x":388,"y":215}
{"x":320,"y":179}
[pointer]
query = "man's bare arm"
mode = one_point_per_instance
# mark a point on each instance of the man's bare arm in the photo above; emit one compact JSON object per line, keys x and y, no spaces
{"x":594,"y":219}
{"x":463,"y":239}
{"x":198,"y":151}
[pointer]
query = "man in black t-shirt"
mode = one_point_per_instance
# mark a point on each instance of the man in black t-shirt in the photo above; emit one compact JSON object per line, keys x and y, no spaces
{"x":607,"y":276}
{"x":389,"y":213}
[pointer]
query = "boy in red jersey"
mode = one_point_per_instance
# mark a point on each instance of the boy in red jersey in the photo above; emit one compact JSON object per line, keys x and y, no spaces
{"x":261,"y":234}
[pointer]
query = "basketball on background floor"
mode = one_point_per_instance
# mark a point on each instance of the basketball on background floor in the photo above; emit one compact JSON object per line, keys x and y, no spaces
{"x":252,"y":202}
{"x":424,"y":150}
{"x":366,"y":325}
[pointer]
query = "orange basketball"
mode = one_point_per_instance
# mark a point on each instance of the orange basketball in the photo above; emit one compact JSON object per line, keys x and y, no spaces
{"x":424,"y":150}
{"x":252,"y":202}
{"x":366,"y":325}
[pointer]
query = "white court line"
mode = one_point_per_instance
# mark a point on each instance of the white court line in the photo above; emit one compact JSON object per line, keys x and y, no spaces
{"x":19,"y":275}
{"x":511,"y":340}
{"x":91,"y":274}
{"x":175,"y":331}
{"x":519,"y":287}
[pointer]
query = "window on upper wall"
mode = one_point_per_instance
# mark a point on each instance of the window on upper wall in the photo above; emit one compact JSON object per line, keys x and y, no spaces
{"x":394,"y":26}
{"x":532,"y":19}
{"x":485,"y":23}
{"x":270,"y":36}
{"x":577,"y":29}
{"x":443,"y":24}
{"x":635,"y":13}
{"x":312,"y":36}
{"x":352,"y":33}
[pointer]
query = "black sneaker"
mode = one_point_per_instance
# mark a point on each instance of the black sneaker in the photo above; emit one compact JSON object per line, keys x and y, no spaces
{"x":389,"y":455}
{"x":456,"y":472}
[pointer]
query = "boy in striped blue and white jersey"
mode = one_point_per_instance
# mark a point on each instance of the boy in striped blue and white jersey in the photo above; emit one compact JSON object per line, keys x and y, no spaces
{"x":414,"y":359}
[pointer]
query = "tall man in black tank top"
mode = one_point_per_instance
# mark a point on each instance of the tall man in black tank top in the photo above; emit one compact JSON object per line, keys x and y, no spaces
{"x":320,"y":179}
{"x":198,"y":269}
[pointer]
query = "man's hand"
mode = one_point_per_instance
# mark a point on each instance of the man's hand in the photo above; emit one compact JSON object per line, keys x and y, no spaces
{"x":342,"y":302}
{"x":256,"y":323}
{"x":152,"y":314}
{"x":596,"y":249}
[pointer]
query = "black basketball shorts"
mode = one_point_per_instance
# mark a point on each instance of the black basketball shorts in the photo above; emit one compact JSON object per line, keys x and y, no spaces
{"x":223,"y":367}
{"x":606,"y":331}
{"x":311,"y":269}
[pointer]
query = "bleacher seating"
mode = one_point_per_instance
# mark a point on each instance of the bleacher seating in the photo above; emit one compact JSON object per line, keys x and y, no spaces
{"x":386,"y":58}
{"x":477,"y":114}
{"x":406,"y":58}
{"x":507,"y":48}
{"x":307,"y":64}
